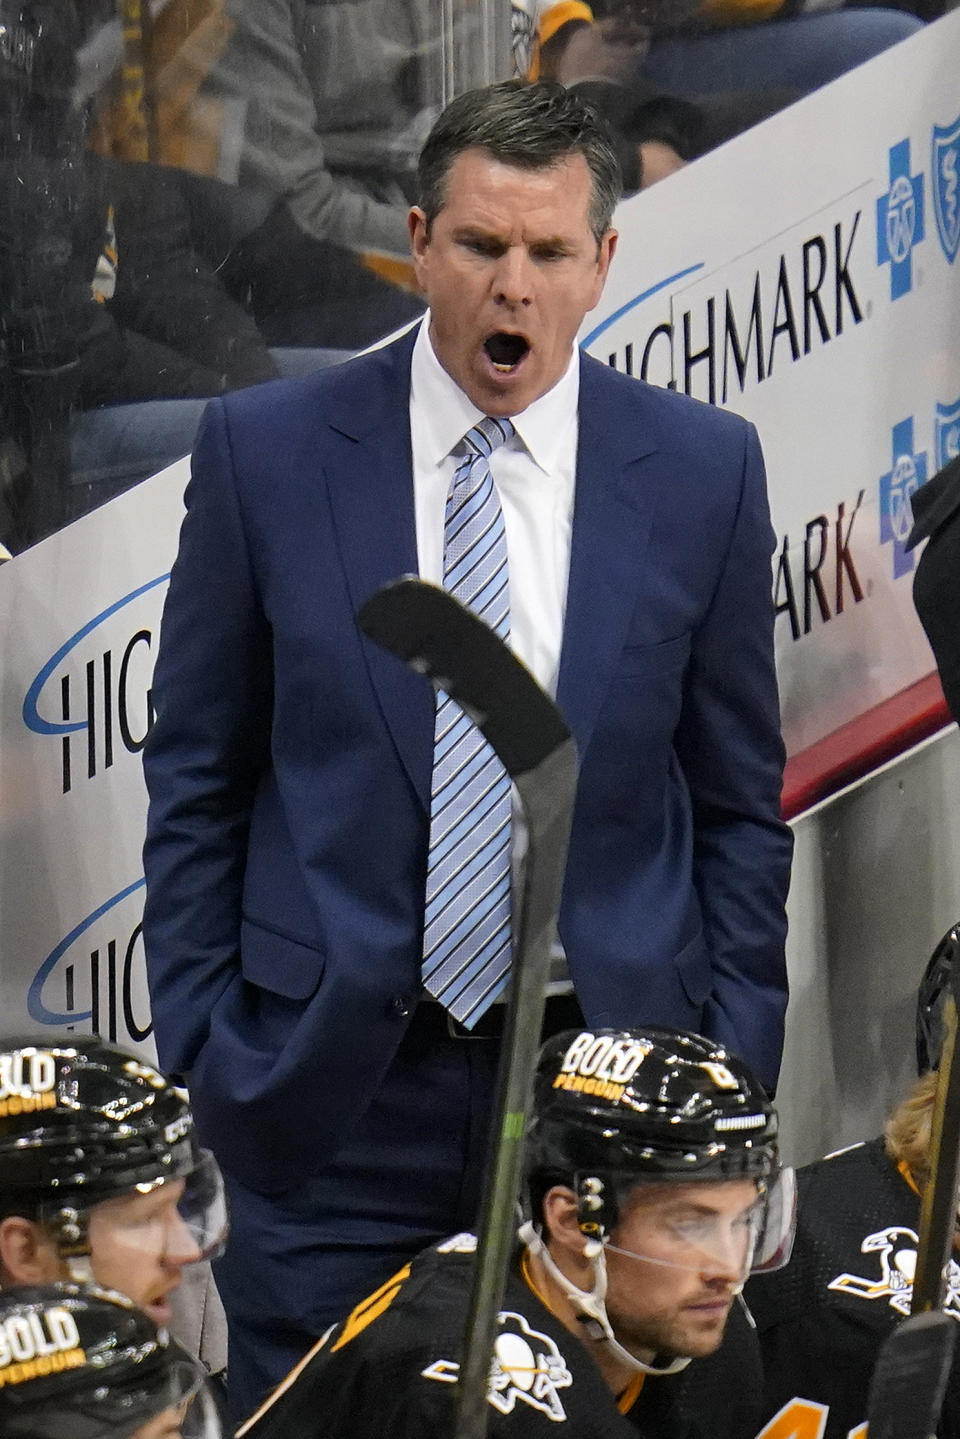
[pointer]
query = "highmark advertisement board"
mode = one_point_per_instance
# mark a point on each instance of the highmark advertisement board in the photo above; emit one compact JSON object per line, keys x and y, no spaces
{"x":79,"y":622}
{"x":804,"y":275}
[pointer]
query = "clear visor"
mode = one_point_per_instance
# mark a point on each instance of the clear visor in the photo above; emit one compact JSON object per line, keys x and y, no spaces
{"x":179,"y":1221}
{"x":203,"y":1206}
{"x":756,"y":1238}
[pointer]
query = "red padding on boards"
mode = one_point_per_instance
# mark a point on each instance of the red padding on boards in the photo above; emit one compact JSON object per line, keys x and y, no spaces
{"x":863,"y":744}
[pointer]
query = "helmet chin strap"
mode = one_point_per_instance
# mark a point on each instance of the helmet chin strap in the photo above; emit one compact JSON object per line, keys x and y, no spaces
{"x":590,"y":1305}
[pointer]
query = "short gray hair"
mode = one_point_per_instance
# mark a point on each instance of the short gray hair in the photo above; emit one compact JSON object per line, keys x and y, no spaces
{"x":530,"y":126}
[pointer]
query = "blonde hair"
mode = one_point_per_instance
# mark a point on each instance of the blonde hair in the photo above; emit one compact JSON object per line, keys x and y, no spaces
{"x":907,"y":1131}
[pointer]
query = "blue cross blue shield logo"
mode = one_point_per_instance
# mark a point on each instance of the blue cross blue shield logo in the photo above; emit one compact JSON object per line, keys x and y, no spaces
{"x":945,"y":166}
{"x":907,"y":473}
{"x":946,"y":433}
{"x":900,"y":220}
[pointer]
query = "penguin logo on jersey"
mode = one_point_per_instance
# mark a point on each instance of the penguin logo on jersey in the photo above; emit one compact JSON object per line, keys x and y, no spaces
{"x":527,"y":1366}
{"x":896,"y":1250}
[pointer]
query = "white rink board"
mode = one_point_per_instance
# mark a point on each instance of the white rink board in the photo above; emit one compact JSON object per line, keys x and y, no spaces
{"x":769,"y":212}
{"x":79,"y":620}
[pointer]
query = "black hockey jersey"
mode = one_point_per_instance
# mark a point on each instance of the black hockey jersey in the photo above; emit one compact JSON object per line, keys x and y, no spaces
{"x":822,"y":1319}
{"x":390,"y":1369}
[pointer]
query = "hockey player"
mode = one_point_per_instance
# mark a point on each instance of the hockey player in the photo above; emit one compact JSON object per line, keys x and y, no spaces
{"x":100,"y":1174}
{"x":653,"y":1186}
{"x":78,"y":1363}
{"x":822,"y":1320}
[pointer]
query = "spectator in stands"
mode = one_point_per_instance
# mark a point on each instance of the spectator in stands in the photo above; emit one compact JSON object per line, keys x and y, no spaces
{"x":756,"y":44}
{"x":319,"y":115}
{"x":657,"y":134}
{"x":698,"y":48}
{"x":82,"y":1362}
{"x":936,"y":513}
{"x":103,"y":298}
{"x":657,"y":131}
{"x":822,"y":1319}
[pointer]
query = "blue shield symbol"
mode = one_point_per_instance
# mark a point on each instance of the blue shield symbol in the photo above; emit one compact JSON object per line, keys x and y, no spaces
{"x":946,"y":436}
{"x":945,"y":164}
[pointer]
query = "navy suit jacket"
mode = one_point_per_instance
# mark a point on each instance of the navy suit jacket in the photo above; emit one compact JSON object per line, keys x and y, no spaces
{"x":289,"y":765}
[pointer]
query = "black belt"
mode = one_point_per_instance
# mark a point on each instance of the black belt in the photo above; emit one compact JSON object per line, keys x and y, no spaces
{"x":561,"y":1011}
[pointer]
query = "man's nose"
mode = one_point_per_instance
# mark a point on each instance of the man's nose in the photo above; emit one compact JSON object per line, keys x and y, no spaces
{"x":513,"y":283}
{"x":181,"y":1246}
{"x":727,"y":1260}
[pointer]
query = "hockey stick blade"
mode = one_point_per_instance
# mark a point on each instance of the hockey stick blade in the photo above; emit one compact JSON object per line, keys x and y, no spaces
{"x":910,"y":1378}
{"x":425,"y":626}
{"x":429,"y":629}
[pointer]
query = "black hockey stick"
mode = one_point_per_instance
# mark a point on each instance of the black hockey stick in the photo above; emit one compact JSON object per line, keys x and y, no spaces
{"x":437,"y":636}
{"x":910,"y":1377}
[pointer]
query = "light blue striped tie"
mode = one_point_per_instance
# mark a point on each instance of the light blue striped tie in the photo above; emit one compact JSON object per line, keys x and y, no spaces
{"x":466,"y":940}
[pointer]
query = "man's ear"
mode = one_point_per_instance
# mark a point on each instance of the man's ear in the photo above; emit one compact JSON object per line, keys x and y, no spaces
{"x":28,"y":1255}
{"x":565,"y":1239}
{"x":419,"y":232}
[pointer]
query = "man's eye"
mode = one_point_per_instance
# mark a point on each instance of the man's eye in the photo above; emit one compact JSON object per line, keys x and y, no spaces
{"x":694,"y":1230}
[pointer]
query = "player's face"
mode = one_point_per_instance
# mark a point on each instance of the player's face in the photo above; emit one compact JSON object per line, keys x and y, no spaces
{"x":509,"y":267}
{"x":677,"y":1259}
{"x":139,"y":1245}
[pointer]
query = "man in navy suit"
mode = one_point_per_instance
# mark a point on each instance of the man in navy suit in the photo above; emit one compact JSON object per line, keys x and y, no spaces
{"x":291,"y":836}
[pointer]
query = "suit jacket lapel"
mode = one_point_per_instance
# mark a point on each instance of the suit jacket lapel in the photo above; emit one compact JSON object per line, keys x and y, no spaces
{"x":611,"y":523}
{"x":370,"y":481}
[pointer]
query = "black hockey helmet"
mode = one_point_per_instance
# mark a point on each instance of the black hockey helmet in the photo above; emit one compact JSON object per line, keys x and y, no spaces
{"x":77,"y":1362}
{"x":82,"y":1121}
{"x":615,"y":1107}
{"x":931,"y":996}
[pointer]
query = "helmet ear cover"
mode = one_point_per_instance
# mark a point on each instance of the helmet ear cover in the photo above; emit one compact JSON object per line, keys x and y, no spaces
{"x":69,"y":1228}
{"x":598,"y":1205}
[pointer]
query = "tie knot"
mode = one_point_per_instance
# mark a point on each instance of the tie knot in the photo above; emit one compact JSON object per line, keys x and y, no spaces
{"x":488,"y":435}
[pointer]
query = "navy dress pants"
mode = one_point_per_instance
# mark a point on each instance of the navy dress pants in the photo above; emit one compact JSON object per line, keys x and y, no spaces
{"x":299,"y":1261}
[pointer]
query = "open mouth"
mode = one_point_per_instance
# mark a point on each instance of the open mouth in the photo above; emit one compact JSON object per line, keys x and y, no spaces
{"x":159,"y":1311}
{"x":505,"y":350}
{"x":157,"y":1305}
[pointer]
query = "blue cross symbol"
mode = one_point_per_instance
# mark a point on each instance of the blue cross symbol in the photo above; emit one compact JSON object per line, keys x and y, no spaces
{"x":908,"y":472}
{"x":900,"y":220}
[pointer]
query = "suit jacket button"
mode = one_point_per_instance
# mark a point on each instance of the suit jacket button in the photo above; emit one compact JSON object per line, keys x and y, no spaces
{"x":400,"y":1006}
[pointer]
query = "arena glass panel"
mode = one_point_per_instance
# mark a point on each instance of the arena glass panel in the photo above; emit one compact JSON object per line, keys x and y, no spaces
{"x":199,"y":195}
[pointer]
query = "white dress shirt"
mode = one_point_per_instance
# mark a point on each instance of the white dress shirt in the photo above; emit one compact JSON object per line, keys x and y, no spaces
{"x":535,"y":474}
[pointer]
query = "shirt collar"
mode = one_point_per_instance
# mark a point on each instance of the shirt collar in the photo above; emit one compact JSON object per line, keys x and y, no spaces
{"x":445,"y":414}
